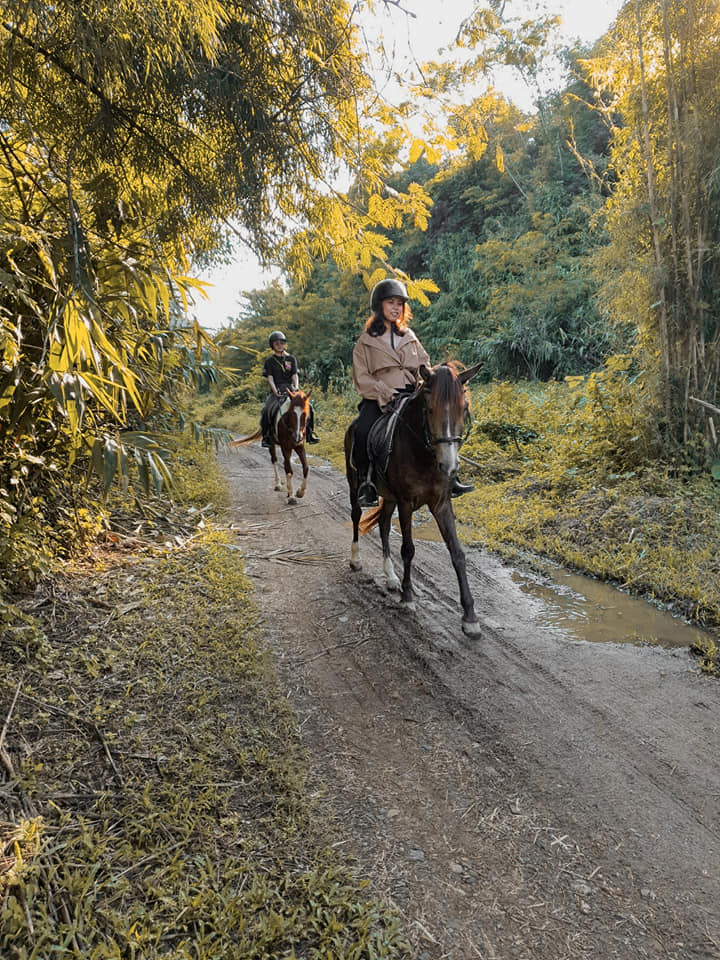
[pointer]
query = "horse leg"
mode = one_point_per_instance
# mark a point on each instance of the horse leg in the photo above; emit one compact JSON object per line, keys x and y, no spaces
{"x":407,"y":551}
{"x":355,"y":513}
{"x":446,"y":522}
{"x":273,"y":457}
{"x":391,"y":580}
{"x":300,"y":492}
{"x":287,"y":454}
{"x":355,"y":510}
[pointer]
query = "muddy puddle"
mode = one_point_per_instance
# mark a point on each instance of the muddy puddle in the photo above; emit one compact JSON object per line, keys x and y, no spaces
{"x":589,"y":609}
{"x":592,"y":610}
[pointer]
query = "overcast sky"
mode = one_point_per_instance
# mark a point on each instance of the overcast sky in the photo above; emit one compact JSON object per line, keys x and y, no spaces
{"x":433,"y":27}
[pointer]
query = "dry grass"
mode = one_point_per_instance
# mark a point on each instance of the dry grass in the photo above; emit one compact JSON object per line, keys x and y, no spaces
{"x":152,"y":777}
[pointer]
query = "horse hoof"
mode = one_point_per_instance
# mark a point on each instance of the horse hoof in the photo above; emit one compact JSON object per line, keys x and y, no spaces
{"x":356,"y":565}
{"x":409,"y":605}
{"x":393,"y":585}
{"x":471,"y":628}
{"x":278,"y":487}
{"x":291,"y":501}
{"x":300,"y":494}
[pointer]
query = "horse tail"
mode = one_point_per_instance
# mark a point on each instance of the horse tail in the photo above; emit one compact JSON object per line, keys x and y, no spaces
{"x":370,"y":518}
{"x":243,"y":441}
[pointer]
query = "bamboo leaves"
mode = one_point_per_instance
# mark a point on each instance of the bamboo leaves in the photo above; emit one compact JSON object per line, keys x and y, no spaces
{"x":656,"y":83}
{"x":111,"y":458}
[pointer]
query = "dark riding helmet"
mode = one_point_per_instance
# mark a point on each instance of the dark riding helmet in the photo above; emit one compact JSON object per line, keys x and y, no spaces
{"x":386,"y":289}
{"x":276,"y":335}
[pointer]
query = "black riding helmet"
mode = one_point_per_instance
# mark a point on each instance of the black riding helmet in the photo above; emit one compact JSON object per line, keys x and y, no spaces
{"x":276,"y":335}
{"x":386,"y":289}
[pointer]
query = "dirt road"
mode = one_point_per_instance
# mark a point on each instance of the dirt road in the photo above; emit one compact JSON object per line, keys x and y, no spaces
{"x":522,"y":796}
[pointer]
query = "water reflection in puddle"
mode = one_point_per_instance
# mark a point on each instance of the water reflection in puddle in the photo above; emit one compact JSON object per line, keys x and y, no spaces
{"x":590,"y":609}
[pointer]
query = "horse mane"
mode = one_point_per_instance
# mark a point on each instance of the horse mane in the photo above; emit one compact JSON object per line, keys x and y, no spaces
{"x":445,"y":387}
{"x":299,"y":399}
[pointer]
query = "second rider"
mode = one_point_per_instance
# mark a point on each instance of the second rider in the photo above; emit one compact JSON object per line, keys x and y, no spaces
{"x":281,"y":371}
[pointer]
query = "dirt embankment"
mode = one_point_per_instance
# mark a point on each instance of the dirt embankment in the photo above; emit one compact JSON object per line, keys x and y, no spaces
{"x":522,"y":796}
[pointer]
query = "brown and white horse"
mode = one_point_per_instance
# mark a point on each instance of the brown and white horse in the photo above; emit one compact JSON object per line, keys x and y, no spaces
{"x":421,"y":469}
{"x":289,"y":435}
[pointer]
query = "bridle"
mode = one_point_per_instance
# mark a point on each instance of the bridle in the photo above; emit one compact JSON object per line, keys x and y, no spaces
{"x":427,"y":439}
{"x":431,"y":441}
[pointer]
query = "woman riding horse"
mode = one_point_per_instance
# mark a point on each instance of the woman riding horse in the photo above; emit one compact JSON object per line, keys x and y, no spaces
{"x":386,"y":358}
{"x":281,"y":371}
{"x":416,"y":449}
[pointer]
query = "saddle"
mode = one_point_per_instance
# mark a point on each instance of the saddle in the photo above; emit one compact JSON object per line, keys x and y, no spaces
{"x":382,"y":433}
{"x":283,"y":405}
{"x":275,"y":407}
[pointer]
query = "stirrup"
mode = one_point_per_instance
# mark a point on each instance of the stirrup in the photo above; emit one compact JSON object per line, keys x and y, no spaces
{"x":458,"y":489}
{"x":367,"y":495}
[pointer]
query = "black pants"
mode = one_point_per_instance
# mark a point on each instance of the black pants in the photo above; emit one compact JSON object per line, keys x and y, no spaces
{"x":368,"y":412}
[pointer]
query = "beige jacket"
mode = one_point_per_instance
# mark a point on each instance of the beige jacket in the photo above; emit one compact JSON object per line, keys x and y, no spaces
{"x":378,"y":370}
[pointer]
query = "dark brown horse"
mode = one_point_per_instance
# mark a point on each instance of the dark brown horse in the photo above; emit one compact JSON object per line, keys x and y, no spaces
{"x":420,"y":470}
{"x":289,"y":435}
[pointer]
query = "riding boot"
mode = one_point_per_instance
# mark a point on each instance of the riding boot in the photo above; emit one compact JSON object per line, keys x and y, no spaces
{"x":367,"y":495}
{"x":310,"y":435}
{"x":458,"y":489}
{"x":265,"y":427}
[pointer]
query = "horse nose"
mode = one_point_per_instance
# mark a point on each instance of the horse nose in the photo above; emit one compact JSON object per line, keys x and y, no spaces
{"x":449,"y":468}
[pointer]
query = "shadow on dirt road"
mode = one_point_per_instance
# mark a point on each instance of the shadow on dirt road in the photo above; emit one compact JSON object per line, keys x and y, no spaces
{"x":522,"y":796}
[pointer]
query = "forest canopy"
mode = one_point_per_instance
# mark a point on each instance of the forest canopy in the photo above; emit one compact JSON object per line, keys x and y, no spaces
{"x":586,"y":228}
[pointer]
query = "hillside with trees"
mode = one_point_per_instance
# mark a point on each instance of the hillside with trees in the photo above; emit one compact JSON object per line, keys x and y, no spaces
{"x":542,"y":243}
{"x":512,"y":252}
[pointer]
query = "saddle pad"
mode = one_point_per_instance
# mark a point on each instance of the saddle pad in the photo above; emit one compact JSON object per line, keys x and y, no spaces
{"x":277,"y":407}
{"x":382,"y":435}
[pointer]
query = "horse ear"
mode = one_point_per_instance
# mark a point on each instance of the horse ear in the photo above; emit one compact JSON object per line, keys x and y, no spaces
{"x":425,"y":372}
{"x":470,"y":372}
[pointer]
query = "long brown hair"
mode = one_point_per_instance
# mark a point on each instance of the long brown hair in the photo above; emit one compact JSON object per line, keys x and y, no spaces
{"x":375,"y":323}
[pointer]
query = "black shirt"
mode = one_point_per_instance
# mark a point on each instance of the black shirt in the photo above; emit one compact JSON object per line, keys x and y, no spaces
{"x":282,"y":369}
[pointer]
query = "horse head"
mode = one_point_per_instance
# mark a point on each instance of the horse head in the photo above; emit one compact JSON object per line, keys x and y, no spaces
{"x":447,"y":409}
{"x":297,"y":413}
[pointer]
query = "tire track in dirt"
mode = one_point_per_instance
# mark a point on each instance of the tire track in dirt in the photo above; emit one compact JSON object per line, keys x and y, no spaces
{"x":521,"y":796}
